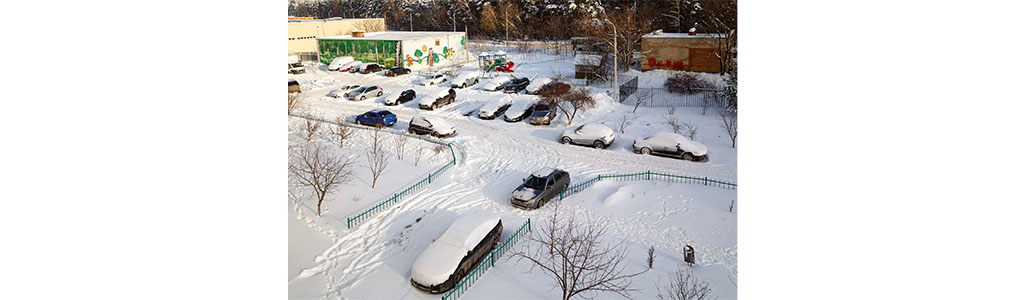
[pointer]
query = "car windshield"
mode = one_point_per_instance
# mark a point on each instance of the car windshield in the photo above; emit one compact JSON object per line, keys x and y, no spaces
{"x":385,"y":114}
{"x":541,"y":107}
{"x":537,"y":183}
{"x":359,"y":90}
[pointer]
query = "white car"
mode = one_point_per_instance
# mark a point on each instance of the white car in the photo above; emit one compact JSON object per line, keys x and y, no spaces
{"x":363,"y":92}
{"x":493,"y":109}
{"x":673,"y":145}
{"x":466,"y":79}
{"x":338,"y":62}
{"x":495,"y":83}
{"x":436,"y":99}
{"x":454,"y":254}
{"x":340,"y":92}
{"x":431,"y":124}
{"x":535,"y":85}
{"x":434,"y":79}
{"x":594,"y":134}
{"x":520,"y":109}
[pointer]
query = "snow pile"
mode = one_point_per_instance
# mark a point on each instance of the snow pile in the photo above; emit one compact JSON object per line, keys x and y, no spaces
{"x":587,"y":60}
{"x":442,"y":257}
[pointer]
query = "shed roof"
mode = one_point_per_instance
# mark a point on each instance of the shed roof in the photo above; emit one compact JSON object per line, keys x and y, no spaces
{"x":393,"y":35}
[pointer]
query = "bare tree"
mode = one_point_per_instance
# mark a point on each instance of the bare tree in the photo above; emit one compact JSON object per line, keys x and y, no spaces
{"x":651,"y":257}
{"x":369,"y":26}
{"x":417,"y":155}
{"x":572,"y":253}
{"x":623,"y":123}
{"x":721,"y":18}
{"x":729,"y":124}
{"x":684,"y":286}
{"x":343,"y":132}
{"x":674,"y":123}
{"x":314,"y":167}
{"x":295,"y":100}
{"x":377,"y":159}
{"x":569,"y":102}
{"x":400,"y":145}
{"x":312,"y":125}
{"x":689,"y":130}
{"x":641,"y":97}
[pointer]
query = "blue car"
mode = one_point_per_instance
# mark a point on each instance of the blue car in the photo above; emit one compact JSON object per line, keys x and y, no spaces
{"x":378,"y":118}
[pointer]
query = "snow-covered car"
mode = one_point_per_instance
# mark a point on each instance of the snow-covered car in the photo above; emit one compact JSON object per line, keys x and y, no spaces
{"x":515,"y":85}
{"x":430,"y":124}
{"x":542,"y":114}
{"x":338,"y":62}
{"x":294,"y":65}
{"x":540,"y":187}
{"x":434,"y":79}
{"x":342,"y":91}
{"x":519,"y":110}
{"x":466,"y":79}
{"x":594,"y":134}
{"x":673,"y":145}
{"x":346,"y":67}
{"x":362,"y":93}
{"x":437,"y":99}
{"x":397,"y":98}
{"x":370,"y":68}
{"x":356,"y":66}
{"x":493,"y":109}
{"x":461,"y":247}
{"x":293,"y":86}
{"x":535,"y":85}
{"x":493,"y":84}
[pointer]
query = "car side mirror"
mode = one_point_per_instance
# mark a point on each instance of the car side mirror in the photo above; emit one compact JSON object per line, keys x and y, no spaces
{"x":524,"y":180}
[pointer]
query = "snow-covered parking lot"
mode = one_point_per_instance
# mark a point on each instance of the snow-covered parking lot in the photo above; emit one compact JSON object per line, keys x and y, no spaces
{"x":373,"y":260}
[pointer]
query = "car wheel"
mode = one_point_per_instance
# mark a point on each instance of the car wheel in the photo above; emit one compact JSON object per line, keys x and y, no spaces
{"x":541,"y":203}
{"x":411,"y":131}
{"x":687,"y":156}
{"x":566,"y":140}
{"x":434,"y":106}
{"x":599,"y":144}
{"x":361,"y":98}
{"x":379,"y":94}
{"x":358,"y":122}
{"x":645,"y":150}
{"x":432,"y":83}
{"x":459,"y":275}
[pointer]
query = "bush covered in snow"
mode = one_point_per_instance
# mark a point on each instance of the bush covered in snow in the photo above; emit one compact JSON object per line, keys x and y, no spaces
{"x":688,"y":83}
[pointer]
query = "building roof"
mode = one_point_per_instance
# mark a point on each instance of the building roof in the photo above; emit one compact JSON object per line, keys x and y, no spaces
{"x":682,"y":35}
{"x":393,"y":35}
{"x":587,"y":60}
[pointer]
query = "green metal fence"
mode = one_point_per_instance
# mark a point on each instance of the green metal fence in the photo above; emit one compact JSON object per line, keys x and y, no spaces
{"x":486,"y":263}
{"x":648,"y":175}
{"x":386,"y":203}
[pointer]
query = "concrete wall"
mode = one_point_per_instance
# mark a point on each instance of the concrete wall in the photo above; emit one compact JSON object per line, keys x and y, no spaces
{"x":432,"y":50}
{"x":695,"y":53}
{"x":302,"y":36}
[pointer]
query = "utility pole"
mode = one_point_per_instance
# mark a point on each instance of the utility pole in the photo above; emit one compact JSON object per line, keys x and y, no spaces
{"x":615,"y":60}
{"x":411,"y":21}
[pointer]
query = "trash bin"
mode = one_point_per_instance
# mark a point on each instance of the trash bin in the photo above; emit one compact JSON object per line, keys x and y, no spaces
{"x":688,"y":255}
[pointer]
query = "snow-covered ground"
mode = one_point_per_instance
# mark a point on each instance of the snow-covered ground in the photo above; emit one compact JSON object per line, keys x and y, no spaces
{"x":373,"y":260}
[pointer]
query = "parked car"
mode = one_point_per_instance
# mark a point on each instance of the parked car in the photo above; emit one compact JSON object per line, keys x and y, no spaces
{"x":535,"y":85}
{"x":342,"y":91}
{"x":515,"y":85}
{"x":293,"y":86}
{"x":543,"y":114}
{"x":495,"y":83}
{"x":356,"y":67}
{"x":438,"y":99}
{"x":466,"y":79}
{"x":594,"y":134}
{"x":294,"y":65}
{"x":363,"y":92}
{"x":338,"y":62}
{"x":397,"y":98}
{"x":396,"y":71}
{"x":434,"y":79}
{"x":673,"y":145}
{"x":452,"y":255}
{"x":430,"y":124}
{"x":494,"y":109}
{"x":378,"y":118}
{"x":520,"y":109}
{"x":371,"y":68}
{"x":346,"y":67}
{"x":540,"y":187}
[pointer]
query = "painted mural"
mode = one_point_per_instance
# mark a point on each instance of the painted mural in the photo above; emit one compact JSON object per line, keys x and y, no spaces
{"x":429,"y":52}
{"x":383,"y":52}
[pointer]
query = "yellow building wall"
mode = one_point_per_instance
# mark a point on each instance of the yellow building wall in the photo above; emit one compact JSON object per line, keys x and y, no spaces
{"x":302,"y":36}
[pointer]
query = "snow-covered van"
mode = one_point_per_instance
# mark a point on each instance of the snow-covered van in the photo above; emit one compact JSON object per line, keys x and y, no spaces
{"x":456,"y":252}
{"x":294,"y":65}
{"x":338,"y":62}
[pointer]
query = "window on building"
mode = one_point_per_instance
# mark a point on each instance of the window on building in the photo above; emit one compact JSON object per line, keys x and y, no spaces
{"x":437,"y":43}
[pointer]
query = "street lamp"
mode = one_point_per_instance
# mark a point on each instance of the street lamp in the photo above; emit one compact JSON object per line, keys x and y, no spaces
{"x":615,"y":59}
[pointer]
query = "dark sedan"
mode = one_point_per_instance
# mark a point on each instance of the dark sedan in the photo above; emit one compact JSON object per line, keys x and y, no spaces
{"x":515,"y":85}
{"x":396,"y":71}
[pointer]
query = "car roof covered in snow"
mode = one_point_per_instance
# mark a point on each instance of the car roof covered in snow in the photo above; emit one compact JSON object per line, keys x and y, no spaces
{"x":495,"y":104}
{"x":543,"y":172}
{"x":596,"y":129}
{"x":437,"y":121}
{"x":442,"y":257}
{"x":685,"y":143}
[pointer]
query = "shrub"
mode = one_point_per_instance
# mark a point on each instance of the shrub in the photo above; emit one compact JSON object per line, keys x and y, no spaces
{"x":688,"y":83}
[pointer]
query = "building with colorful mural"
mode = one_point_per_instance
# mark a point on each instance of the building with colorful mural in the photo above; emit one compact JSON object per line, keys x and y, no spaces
{"x":411,"y":49}
{"x":680,"y":51}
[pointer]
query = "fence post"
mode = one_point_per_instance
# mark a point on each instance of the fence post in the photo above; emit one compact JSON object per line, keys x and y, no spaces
{"x":649,"y":174}
{"x":706,"y":180}
{"x":348,"y":223}
{"x":528,"y":225}
{"x":429,"y":177}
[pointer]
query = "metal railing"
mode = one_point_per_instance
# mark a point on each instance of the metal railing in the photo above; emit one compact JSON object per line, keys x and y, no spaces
{"x":384,"y":204}
{"x":662,"y":97}
{"x":648,"y":175}
{"x":486,"y":263}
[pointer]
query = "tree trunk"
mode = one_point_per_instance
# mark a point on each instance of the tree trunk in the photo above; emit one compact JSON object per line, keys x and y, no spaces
{"x":320,"y":199}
